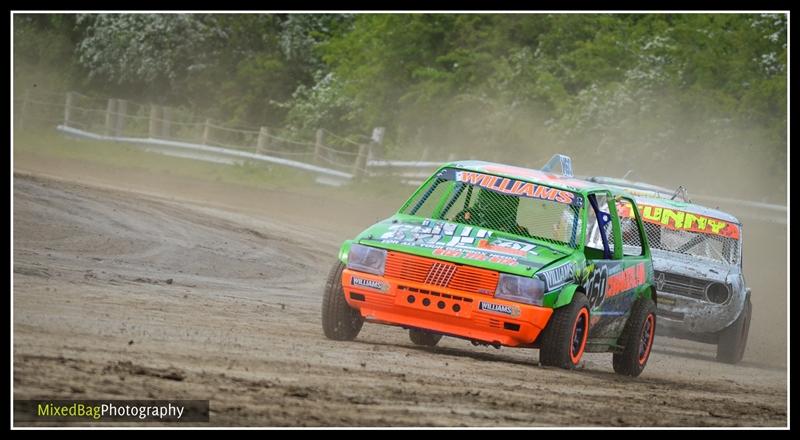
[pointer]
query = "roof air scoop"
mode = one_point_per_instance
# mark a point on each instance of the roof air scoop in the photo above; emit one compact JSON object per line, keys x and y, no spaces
{"x":559,"y":159}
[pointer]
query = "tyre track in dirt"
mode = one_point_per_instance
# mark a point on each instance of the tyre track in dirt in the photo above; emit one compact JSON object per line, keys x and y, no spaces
{"x":124,"y":295}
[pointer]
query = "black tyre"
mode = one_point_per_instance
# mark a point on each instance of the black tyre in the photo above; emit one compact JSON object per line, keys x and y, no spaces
{"x":421,"y":337}
{"x":339,"y":321}
{"x":733,"y":340}
{"x":637,"y":339}
{"x":564,"y":338}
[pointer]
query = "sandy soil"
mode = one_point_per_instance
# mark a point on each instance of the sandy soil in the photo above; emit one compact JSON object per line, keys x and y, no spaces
{"x":155,"y":287}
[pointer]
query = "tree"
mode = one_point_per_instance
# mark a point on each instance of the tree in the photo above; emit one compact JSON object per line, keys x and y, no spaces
{"x":152,"y":53}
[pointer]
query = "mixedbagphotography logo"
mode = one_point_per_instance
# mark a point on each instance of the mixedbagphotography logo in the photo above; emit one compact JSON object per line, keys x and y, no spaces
{"x":111,"y":410}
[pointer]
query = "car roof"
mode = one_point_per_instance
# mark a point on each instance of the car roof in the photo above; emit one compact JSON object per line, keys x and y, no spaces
{"x":629,"y":185}
{"x":645,"y":193}
{"x":531,"y":175}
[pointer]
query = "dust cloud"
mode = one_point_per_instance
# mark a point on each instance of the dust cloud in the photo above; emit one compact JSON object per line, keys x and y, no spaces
{"x":720,"y":160}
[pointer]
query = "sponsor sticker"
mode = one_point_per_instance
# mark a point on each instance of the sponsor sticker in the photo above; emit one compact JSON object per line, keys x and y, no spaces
{"x":626,"y":280}
{"x":517,"y":188}
{"x":678,"y":220}
{"x":557,"y":277}
{"x":370,"y":284}
{"x":666,"y":301}
{"x":499,"y":308}
{"x":468,"y":242}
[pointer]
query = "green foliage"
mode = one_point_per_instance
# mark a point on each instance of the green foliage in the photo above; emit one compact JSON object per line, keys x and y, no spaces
{"x":43,"y":52}
{"x":157,"y":50}
{"x":582,"y":72}
{"x":616,"y":89}
{"x":324,"y":105}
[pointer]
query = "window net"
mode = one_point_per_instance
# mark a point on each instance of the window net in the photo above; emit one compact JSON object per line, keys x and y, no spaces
{"x":501,"y":204}
{"x":663,"y":238}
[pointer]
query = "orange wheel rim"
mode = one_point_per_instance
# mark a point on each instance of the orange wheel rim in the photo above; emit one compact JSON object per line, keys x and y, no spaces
{"x":646,"y":341}
{"x":580,"y":330}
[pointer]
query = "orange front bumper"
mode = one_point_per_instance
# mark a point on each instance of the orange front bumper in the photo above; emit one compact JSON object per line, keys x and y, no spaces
{"x":442,"y":310}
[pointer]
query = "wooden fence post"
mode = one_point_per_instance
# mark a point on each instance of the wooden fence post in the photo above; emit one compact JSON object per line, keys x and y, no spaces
{"x":360,"y":163}
{"x":376,"y":147}
{"x":263,"y":139}
{"x":122,"y":113}
{"x":206,"y":131}
{"x":425,"y":153}
{"x":68,"y":109}
{"x":318,"y":146}
{"x":154,"y":121}
{"x":110,"y":116}
{"x":166,"y":126}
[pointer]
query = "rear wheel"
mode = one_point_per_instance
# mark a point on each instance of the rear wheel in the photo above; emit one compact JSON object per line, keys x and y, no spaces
{"x":733,"y":340}
{"x":637,"y":339}
{"x":339,"y":321}
{"x":564,"y":338}
{"x":421,"y":337}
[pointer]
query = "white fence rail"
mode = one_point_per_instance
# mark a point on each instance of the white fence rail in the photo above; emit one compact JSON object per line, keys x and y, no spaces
{"x":205,"y":149}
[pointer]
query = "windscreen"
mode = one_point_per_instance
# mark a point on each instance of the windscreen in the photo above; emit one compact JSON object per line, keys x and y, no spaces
{"x":697,"y":244}
{"x":680,"y":232}
{"x":502,"y":204}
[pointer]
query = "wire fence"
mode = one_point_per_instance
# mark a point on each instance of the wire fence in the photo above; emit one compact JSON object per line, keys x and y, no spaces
{"x":116,"y":119}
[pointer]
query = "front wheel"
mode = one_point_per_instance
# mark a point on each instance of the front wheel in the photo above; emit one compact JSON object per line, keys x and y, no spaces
{"x":420,"y":337}
{"x":637,"y":339}
{"x":733,"y":340}
{"x":339,"y":321}
{"x":564,"y":338}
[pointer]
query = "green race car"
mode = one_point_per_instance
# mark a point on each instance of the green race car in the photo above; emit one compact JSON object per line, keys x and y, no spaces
{"x":501,"y":255}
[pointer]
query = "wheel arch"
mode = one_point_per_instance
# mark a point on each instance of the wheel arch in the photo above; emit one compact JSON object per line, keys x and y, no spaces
{"x":653,"y":294}
{"x":566,"y":294}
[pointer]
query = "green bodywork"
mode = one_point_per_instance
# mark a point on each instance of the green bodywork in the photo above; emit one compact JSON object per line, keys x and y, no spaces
{"x":528,"y":256}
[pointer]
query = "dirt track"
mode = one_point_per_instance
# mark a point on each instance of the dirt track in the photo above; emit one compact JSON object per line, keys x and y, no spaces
{"x":130,"y":295}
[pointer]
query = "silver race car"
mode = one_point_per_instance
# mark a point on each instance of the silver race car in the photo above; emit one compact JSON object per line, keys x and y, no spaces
{"x":697,"y":259}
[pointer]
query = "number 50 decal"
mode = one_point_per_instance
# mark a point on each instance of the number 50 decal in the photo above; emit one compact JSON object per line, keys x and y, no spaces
{"x":596,"y":286}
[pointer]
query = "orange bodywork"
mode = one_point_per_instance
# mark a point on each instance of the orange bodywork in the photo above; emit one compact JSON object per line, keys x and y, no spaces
{"x":445,"y":298}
